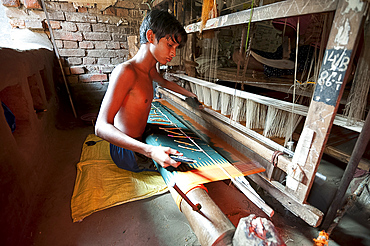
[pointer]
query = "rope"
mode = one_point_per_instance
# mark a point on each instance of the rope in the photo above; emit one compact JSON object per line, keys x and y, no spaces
{"x":275,"y":156}
{"x":249,"y":24}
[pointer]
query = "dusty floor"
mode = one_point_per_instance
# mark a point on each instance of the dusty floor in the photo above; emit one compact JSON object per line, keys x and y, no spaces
{"x":154,"y":221}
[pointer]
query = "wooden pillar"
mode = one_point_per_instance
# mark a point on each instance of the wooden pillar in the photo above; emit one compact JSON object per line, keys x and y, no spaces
{"x":335,"y":69}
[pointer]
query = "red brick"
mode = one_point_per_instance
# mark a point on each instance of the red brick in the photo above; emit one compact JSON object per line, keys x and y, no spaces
{"x":70,"y":44}
{"x":77,"y":70}
{"x":123,"y":45}
{"x":100,"y":45}
{"x":89,"y":60}
{"x":110,"y":11}
{"x":144,"y":6}
{"x":73,"y":79}
{"x":32,"y":4}
{"x":59,"y":43}
{"x":103,"y":69}
{"x":72,"y":52}
{"x":36,"y":14}
{"x":80,"y":17}
{"x":52,"y":5}
{"x":93,"y":77}
{"x":119,"y":37}
{"x":67,"y":7}
{"x":93,"y":10}
{"x":99,"y":27}
{"x":114,"y":45}
{"x":64,"y":35}
{"x":69,"y":26}
{"x":34,"y":24}
{"x":108,"y":19}
{"x":54,"y":24}
{"x":103,"y":61}
{"x":122,"y":12}
{"x":84,"y":27}
{"x":82,"y":9}
{"x":86,"y":45}
{"x":112,"y":28}
{"x":57,"y":15}
{"x":16,"y":13}
{"x":74,"y":60}
{"x":125,"y":4}
{"x":102,"y":53}
{"x":15,"y":23}
{"x":11,"y":3}
{"x":117,"y":60}
{"x":97,"y":36}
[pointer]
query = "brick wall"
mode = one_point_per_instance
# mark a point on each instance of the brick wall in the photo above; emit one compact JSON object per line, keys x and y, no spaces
{"x":90,"y":41}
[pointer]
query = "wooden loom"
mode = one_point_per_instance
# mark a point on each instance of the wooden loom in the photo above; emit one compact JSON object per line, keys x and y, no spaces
{"x":171,"y":128}
{"x":320,"y":115}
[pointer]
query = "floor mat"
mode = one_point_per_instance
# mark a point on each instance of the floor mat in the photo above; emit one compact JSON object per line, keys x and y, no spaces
{"x":100,"y":184}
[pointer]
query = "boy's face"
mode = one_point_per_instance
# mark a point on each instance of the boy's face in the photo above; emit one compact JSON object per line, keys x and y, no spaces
{"x":164,"y":50}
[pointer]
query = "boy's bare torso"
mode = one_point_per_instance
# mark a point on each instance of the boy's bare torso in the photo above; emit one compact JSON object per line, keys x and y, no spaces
{"x":132,"y":115}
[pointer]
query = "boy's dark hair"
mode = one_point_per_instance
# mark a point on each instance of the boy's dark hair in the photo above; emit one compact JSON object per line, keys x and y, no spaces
{"x":163,"y":24}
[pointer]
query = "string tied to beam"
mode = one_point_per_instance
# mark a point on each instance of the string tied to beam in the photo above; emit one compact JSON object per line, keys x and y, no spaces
{"x":275,"y":156}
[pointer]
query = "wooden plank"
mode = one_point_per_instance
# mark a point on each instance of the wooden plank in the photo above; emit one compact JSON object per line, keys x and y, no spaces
{"x":268,"y":12}
{"x":344,"y":157}
{"x":333,"y":75}
{"x":306,"y":212}
{"x":340,"y":155}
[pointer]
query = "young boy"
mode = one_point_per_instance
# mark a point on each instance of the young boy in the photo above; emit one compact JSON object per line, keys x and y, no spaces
{"x":125,"y":107}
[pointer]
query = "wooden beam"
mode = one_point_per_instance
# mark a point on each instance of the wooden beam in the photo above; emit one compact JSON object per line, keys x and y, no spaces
{"x":333,"y":75}
{"x":306,"y":212}
{"x":268,"y":12}
{"x":344,"y":157}
{"x":283,"y":105}
{"x":340,"y":155}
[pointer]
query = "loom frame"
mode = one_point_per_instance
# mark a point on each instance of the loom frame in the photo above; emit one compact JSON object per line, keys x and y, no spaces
{"x":318,"y":113}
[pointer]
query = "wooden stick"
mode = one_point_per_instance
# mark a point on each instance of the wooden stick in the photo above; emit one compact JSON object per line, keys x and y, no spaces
{"x":58,"y":56}
{"x":281,"y":64}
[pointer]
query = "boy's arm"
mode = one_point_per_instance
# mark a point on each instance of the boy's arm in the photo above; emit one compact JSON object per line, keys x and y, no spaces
{"x":104,"y":127}
{"x":170,"y":85}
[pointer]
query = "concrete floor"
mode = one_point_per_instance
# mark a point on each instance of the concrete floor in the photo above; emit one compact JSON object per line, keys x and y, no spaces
{"x":157,"y":220}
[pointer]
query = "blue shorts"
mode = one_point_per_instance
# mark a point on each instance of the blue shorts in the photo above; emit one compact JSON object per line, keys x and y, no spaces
{"x":131,"y":161}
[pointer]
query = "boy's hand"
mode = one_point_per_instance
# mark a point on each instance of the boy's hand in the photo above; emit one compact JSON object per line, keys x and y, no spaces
{"x":161,"y":155}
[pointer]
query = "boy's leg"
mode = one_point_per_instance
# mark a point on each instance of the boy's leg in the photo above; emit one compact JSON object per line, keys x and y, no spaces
{"x":131,"y":161}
